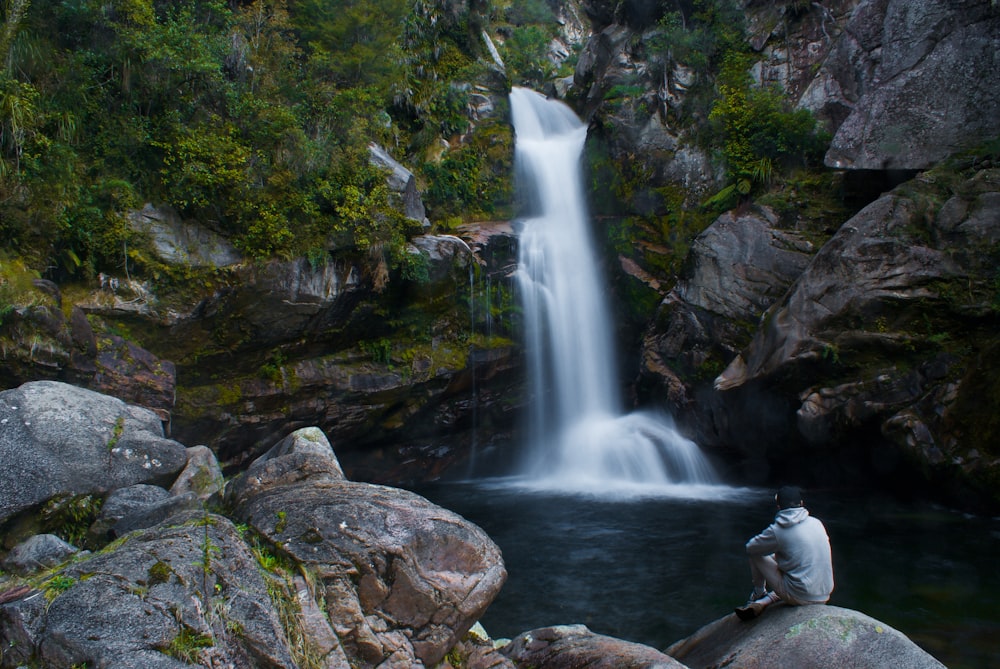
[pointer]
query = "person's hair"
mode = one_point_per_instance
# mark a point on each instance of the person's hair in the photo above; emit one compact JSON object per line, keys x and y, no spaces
{"x":788,"y":496}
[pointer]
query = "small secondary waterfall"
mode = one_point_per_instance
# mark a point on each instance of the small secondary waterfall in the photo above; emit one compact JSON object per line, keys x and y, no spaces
{"x":580,"y":438}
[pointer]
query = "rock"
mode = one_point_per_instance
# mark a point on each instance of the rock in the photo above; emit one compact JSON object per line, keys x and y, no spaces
{"x":873,"y":259}
{"x":184,"y":592}
{"x":801,"y":637}
{"x":909,"y":72}
{"x":793,"y":41}
{"x":477,"y":651}
{"x":494,"y":245}
{"x":123,"y":503}
{"x":402,"y":579}
{"x":38,"y":552}
{"x":181,"y":242}
{"x":155,"y":513}
{"x":741,"y":264}
{"x":445,"y":255}
{"x":572,"y":646}
{"x":736,"y":269}
{"x":134,"y":375}
{"x":317,"y":628}
{"x":57,"y":439}
{"x":202,"y":475}
{"x":402,"y":182}
{"x":284,"y":298}
{"x":304,"y":455}
{"x":44,"y":344}
{"x":869,"y":344}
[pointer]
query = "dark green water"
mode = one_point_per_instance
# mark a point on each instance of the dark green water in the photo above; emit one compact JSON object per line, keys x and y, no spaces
{"x":655,"y":569}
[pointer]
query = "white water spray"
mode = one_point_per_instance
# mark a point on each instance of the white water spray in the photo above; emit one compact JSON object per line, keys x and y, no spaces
{"x":580,"y":439}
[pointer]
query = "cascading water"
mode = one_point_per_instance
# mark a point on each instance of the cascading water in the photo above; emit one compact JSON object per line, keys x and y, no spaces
{"x":580,"y":438}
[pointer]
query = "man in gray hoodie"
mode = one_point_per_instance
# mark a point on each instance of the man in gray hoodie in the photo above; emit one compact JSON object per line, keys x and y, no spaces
{"x":790,"y":561}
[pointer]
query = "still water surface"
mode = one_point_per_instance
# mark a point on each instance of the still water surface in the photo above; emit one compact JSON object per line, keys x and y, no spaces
{"x":654,"y":569}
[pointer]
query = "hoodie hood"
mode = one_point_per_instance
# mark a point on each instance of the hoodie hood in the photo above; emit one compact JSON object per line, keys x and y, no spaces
{"x":792,"y":516}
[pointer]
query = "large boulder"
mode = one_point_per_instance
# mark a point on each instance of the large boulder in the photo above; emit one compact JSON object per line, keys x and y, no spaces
{"x":572,"y":646}
{"x":186,"y":592}
{"x":181,"y":242}
{"x":58,"y":440}
{"x":38,"y":552}
{"x":401,"y":182}
{"x":801,"y":637}
{"x":402,"y":579}
{"x":909,"y":74}
{"x":304,"y":455}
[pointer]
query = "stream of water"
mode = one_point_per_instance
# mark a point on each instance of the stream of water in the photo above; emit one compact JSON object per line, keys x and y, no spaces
{"x":580,"y":438}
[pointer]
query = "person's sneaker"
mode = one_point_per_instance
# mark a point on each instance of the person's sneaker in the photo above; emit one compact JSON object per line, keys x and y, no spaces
{"x":756,"y":607}
{"x":750,"y":611}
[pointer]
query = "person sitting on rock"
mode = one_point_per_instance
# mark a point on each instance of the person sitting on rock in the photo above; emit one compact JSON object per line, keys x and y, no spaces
{"x":790,"y":561}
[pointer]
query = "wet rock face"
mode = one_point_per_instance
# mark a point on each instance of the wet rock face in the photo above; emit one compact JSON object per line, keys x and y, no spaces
{"x":41,"y":341}
{"x":737,"y":268}
{"x":910,"y":74}
{"x":864,"y":351}
{"x":875,"y":335}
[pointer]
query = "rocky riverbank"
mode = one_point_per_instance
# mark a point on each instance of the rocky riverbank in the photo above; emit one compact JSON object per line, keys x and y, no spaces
{"x":124,"y":548}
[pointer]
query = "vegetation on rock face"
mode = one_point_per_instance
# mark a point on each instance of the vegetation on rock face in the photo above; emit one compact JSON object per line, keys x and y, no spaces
{"x":253,"y":118}
{"x":683,"y":120}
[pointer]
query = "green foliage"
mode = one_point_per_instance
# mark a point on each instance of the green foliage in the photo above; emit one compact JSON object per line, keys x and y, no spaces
{"x":272,"y":369}
{"x":160,"y":572}
{"x":475,"y":179}
{"x":70,"y":516}
{"x":525,"y":55}
{"x":354,"y":42}
{"x":16,"y":287}
{"x":116,"y":432}
{"x":379,"y":350}
{"x":758,"y":128}
{"x":57,"y":585}
{"x":187,"y":645}
{"x":253,"y":118}
{"x":522,"y":12}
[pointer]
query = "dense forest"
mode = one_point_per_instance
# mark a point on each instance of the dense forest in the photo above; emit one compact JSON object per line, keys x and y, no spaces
{"x":254,"y":119}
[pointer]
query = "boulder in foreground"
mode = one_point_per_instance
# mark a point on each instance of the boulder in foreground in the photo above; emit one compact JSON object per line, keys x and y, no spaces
{"x":801,"y":637}
{"x":572,"y":646}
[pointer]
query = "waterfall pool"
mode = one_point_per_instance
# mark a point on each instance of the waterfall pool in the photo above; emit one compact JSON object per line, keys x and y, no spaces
{"x":653,"y":569}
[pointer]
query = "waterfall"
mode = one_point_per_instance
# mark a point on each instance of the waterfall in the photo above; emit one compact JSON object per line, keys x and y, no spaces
{"x":579,"y":437}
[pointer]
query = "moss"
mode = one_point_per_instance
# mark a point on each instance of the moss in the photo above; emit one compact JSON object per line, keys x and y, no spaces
{"x":70,"y":516}
{"x":187,"y":645}
{"x":116,"y":432}
{"x":57,"y":585}
{"x":282,"y":522}
{"x":973,"y":417}
{"x":231,"y":394}
{"x":160,"y":572}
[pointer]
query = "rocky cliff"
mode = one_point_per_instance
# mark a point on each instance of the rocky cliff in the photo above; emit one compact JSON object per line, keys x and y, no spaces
{"x":407,"y":366}
{"x":865,"y":354}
